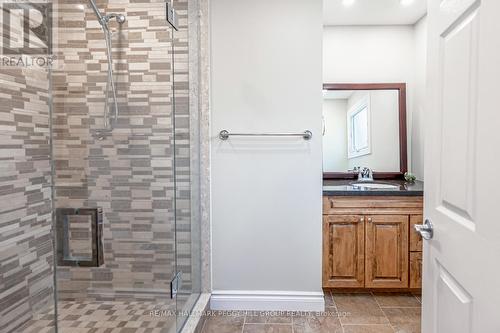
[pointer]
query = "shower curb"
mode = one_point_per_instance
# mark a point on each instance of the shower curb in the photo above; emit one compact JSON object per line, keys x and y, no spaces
{"x":195,"y":322}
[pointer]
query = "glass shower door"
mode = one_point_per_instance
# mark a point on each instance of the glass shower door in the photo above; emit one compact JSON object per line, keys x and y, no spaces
{"x":101,"y":214}
{"x":186,"y":174}
{"x":114,"y":169}
{"x":186,"y":284}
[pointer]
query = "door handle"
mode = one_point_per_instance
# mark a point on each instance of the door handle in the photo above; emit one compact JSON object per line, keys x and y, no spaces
{"x":426,"y":230}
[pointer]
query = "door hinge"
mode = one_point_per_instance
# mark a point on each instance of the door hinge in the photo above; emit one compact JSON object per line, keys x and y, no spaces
{"x":172,"y":17}
{"x":175,"y":284}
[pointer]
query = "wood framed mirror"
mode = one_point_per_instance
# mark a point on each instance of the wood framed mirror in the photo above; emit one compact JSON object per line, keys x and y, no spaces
{"x":364,"y":125}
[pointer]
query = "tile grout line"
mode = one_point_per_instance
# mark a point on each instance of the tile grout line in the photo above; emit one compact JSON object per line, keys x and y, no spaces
{"x":267,"y":323}
{"x":244,"y":321}
{"x":338,"y":314}
{"x":392,"y":326}
{"x":399,"y":307}
{"x":381,"y":309}
{"x":355,"y":324}
{"x":203,"y":326}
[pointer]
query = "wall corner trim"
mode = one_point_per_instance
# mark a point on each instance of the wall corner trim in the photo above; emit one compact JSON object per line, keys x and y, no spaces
{"x":267,"y":300}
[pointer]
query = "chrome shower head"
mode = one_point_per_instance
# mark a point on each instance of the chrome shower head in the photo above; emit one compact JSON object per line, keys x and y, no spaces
{"x":120,"y":18}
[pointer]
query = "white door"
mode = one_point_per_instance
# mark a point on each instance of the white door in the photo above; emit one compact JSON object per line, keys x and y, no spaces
{"x":461,"y":284}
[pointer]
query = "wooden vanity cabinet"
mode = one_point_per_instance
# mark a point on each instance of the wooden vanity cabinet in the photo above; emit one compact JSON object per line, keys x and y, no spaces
{"x":369,"y":242}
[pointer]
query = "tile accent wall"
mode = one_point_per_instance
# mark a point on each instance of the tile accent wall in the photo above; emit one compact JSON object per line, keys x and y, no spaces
{"x":26,"y":276}
{"x":129,"y":173}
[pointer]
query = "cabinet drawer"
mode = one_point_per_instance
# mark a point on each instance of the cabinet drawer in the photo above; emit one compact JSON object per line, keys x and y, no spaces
{"x":371,"y":205}
{"x":415,"y":269}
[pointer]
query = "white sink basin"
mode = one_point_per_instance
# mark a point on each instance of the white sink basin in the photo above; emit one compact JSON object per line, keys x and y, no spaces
{"x":374,"y":186}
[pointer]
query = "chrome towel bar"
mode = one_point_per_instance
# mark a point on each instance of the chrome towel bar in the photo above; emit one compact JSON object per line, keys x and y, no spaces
{"x":224,"y":134}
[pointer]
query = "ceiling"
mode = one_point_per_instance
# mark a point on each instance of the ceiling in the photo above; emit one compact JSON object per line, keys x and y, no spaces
{"x":373,"y":12}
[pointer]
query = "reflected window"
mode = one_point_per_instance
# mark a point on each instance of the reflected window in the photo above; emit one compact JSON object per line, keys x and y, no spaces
{"x":358,"y":124}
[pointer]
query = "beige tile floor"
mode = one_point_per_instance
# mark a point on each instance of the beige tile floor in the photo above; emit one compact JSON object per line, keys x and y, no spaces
{"x":345,"y":313}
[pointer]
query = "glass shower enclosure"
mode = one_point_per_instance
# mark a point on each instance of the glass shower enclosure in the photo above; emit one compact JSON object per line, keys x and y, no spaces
{"x":121,"y":252}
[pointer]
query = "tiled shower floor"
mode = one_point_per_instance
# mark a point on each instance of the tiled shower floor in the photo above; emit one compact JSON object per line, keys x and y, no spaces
{"x":107,"y":317}
{"x":345,"y":313}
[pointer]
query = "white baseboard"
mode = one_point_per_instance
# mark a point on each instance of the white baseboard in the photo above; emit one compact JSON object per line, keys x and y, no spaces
{"x":267,"y":300}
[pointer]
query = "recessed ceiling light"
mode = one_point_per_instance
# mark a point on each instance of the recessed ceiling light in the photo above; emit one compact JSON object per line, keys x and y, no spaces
{"x":406,"y":2}
{"x":348,"y":2}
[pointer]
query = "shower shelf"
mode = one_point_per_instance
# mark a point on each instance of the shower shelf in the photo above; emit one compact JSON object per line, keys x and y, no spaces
{"x":63,"y":232}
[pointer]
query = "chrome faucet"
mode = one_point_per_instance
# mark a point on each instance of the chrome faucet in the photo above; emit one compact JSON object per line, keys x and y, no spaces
{"x":365,"y":175}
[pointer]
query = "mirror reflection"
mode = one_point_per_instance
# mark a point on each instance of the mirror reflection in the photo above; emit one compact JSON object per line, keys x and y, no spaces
{"x":361,"y":129}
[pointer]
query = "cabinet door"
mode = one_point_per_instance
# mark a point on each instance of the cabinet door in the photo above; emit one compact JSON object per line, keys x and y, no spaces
{"x":386,"y":251}
{"x":343,"y":251}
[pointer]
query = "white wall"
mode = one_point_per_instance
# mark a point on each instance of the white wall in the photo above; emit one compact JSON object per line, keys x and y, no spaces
{"x":266,"y":192}
{"x":371,"y":54}
{"x":335,"y":138}
{"x":368,"y":54}
{"x":418,"y":107}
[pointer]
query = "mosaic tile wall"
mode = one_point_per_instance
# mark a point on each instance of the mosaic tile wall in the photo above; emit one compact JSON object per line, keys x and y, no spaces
{"x":128,"y":173}
{"x":26,"y":276}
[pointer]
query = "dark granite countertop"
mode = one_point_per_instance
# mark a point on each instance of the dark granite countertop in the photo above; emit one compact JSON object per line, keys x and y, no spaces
{"x":343,"y":187}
